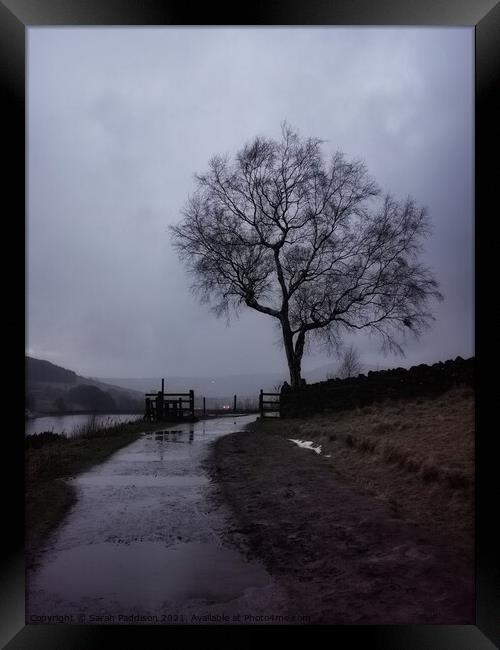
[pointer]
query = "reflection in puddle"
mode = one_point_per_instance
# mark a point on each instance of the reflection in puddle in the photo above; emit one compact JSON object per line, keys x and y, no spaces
{"x":138,"y":575}
{"x":143,"y":480}
{"x":145,"y":536}
{"x":173,"y":435}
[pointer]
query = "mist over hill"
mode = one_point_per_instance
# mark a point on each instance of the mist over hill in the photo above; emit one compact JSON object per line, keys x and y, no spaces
{"x":211,"y":386}
{"x":242,"y":385}
{"x":53,"y":389}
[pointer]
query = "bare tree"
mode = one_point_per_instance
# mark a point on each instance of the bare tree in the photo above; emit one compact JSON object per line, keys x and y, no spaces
{"x":308,"y":241}
{"x":350,"y":364}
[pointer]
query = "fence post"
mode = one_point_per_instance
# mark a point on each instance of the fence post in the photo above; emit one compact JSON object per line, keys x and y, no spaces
{"x":159,"y":407}
{"x":234,"y":405}
{"x":191,"y":402}
{"x":261,"y":403}
{"x":204,"y":408}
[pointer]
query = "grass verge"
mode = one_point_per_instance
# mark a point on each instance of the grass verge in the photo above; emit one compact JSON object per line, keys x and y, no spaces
{"x":335,"y":545}
{"x":416,"y":455}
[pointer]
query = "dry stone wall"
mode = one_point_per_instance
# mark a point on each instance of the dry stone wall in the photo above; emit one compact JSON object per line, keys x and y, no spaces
{"x":339,"y":394}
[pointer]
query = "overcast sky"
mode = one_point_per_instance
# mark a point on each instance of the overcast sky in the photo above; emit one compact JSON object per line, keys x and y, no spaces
{"x":120,"y":119}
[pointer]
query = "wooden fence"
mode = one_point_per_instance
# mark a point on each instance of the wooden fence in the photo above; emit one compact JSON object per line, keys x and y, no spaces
{"x":265,"y":403}
{"x":163,"y":406}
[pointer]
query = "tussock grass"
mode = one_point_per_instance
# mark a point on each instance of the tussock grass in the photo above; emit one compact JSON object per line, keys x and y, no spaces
{"x":433,"y":438}
{"x":416,"y":454}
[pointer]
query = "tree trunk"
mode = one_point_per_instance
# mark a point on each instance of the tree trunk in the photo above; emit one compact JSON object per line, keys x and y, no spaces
{"x":295,"y":377}
{"x":293,"y":356}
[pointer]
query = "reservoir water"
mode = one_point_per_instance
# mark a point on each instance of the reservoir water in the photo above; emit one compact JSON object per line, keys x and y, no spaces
{"x":70,"y":424}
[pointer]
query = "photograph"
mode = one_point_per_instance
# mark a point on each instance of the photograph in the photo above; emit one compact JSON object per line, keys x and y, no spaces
{"x":250,"y":352}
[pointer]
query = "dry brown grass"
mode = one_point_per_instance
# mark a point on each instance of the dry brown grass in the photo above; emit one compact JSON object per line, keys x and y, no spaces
{"x":417,"y":455}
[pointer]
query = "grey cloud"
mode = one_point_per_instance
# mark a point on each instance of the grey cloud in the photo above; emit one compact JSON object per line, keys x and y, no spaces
{"x":120,"y":119}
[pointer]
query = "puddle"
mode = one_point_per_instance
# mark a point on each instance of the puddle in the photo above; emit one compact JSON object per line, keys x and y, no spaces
{"x":153,"y":456}
{"x":173,"y":436}
{"x":145,"y":536}
{"x":147,"y":575}
{"x":143,"y":480}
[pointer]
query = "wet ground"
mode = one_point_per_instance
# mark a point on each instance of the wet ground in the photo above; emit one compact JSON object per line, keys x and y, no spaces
{"x":146,"y":542}
{"x":344,"y":557}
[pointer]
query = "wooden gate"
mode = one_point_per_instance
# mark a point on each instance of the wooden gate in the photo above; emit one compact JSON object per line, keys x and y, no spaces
{"x":161,"y":406}
{"x":266,"y":405}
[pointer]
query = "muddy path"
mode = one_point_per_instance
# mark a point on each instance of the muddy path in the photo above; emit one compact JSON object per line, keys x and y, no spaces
{"x":147,"y":542}
{"x":342,"y":555}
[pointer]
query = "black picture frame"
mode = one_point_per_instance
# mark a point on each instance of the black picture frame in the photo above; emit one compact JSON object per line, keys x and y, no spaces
{"x":16,"y":16}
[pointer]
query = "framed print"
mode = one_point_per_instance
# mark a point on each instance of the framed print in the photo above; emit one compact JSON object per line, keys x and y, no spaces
{"x":307,"y":166}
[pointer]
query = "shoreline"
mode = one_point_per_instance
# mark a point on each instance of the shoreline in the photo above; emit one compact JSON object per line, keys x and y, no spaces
{"x":55,"y":414}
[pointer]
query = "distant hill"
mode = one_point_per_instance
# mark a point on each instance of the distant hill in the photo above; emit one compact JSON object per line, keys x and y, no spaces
{"x":53,"y":389}
{"x":246,"y":386}
{"x":224,"y":387}
{"x":38,"y":370}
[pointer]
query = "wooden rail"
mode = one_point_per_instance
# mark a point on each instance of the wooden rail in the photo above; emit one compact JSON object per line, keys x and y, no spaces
{"x":263,"y":402}
{"x":163,"y":406}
